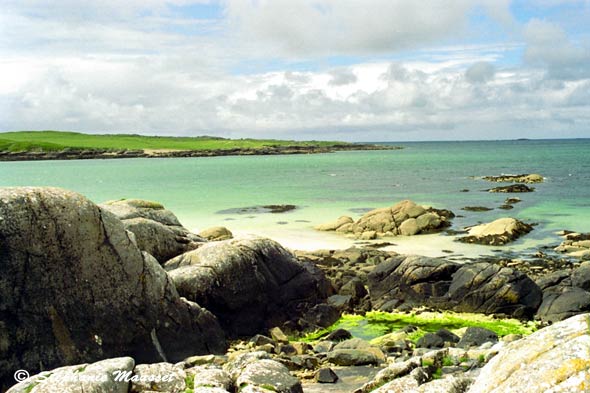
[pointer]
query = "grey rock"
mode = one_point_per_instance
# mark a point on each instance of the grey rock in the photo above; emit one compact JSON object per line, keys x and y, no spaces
{"x":352,"y":357}
{"x":99,"y":377}
{"x":208,"y":376}
{"x":269,"y":373}
{"x":561,"y":305}
{"x":490,"y":289}
{"x":430,"y":340}
{"x":71,"y":276}
{"x":158,"y":377}
{"x":498,"y":232}
{"x":249,"y":284}
{"x":156,"y":229}
{"x":553,"y":359}
{"x":476,"y":336}
{"x":325,"y":375}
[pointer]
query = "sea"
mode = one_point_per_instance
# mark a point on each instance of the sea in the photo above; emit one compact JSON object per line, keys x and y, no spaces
{"x":227,"y":191}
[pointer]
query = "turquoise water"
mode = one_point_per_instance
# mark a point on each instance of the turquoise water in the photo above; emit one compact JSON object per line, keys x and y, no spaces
{"x":325,"y":186}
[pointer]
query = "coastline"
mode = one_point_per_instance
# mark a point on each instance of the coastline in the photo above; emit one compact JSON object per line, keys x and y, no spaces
{"x":87,"y":154}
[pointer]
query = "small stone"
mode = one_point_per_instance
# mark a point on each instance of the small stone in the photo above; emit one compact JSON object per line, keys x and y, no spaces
{"x":326,"y":375}
{"x":277,"y":334}
{"x":339,"y":335}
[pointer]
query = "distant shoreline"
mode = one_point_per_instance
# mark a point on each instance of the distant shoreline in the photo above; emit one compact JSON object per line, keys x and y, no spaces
{"x":85,"y":154}
{"x":67,"y":145}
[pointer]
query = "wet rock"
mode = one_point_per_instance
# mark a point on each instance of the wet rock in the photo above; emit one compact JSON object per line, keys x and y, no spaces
{"x":498,"y":232}
{"x":430,"y":340}
{"x":352,"y":357}
{"x":553,"y":359}
{"x":524,"y":178}
{"x":249,"y":284}
{"x":259,"y":209}
{"x":512,"y":188}
{"x":71,"y":276}
{"x":476,"y":208}
{"x":216,"y":233}
{"x":325,"y":375}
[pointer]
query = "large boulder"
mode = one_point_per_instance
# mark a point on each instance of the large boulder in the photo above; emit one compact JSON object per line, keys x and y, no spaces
{"x":553,"y":359}
{"x":490,"y":289}
{"x":75,"y":288}
{"x":249,"y":284}
{"x":404,"y":218}
{"x":156,"y":229}
{"x":478,"y":287}
{"x":414,"y":279}
{"x":498,"y":232}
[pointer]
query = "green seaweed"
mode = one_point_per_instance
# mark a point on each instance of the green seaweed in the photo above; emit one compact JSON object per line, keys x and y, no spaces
{"x":378,"y":323}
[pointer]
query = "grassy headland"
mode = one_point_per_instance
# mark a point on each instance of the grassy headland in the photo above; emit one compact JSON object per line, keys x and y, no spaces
{"x":22,"y":145}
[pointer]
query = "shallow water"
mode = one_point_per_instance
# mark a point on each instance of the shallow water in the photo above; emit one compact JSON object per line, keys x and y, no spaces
{"x":325,"y":186}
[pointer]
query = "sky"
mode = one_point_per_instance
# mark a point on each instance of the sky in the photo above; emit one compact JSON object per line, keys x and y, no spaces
{"x":353,"y":70}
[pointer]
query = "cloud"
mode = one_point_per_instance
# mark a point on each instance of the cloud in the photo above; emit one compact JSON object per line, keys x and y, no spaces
{"x":480,"y":72}
{"x":330,"y":27}
{"x":550,"y":47}
{"x":342,"y":77}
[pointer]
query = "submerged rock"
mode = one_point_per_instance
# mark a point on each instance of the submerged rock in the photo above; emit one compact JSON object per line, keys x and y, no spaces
{"x":553,"y":359}
{"x":75,"y":288}
{"x":249,"y":284}
{"x":498,"y":232}
{"x":405,"y":218}
{"x":512,"y":188}
{"x":525,"y":178}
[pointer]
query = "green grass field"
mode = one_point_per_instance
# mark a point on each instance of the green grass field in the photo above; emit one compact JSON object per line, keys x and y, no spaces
{"x":20,"y":141}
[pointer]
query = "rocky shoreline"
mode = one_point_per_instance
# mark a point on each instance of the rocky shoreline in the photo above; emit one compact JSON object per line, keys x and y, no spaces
{"x":87,"y":290}
{"x":85,"y":154}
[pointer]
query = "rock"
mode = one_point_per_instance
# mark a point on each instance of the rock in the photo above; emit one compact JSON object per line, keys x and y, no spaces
{"x":414,"y":279}
{"x":216,"y":233}
{"x":490,"y":289}
{"x":405,"y":218}
{"x":476,"y":208}
{"x":320,"y":316}
{"x":581,"y":276}
{"x":158,"y":377}
{"x":157,"y":230}
{"x":325,"y":375}
{"x":512,"y":188}
{"x":557,"y":306}
{"x":447,"y":336}
{"x":71,"y":276}
{"x":249,"y":284}
{"x":512,"y":200}
{"x":391,"y":372}
{"x":352,"y":357}
{"x":450,"y":384}
{"x":408,"y":383}
{"x":209,"y":377}
{"x":553,"y":359}
{"x":99,"y":377}
{"x":338,"y":335}
{"x":430,"y":340}
{"x":259,"y":340}
{"x":334,"y":225}
{"x":525,"y":178}
{"x":476,"y":336}
{"x":576,"y":246}
{"x":240,"y":360}
{"x":277,"y":334}
{"x":498,"y":232}
{"x":269,"y":375}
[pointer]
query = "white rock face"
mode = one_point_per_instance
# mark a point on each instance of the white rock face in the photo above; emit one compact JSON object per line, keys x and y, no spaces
{"x":554,"y":359}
